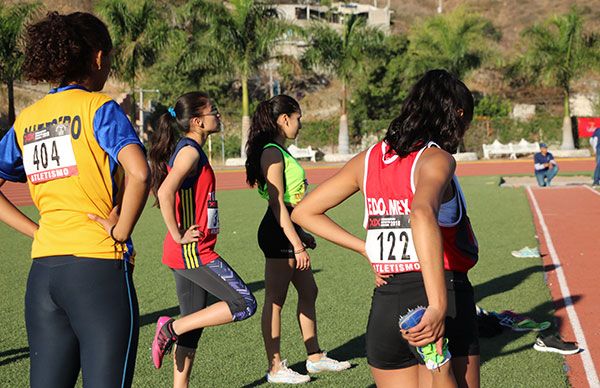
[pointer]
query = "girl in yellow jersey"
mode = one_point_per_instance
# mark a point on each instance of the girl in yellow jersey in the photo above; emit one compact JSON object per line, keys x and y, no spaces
{"x":74,"y":147}
{"x":281,"y":181}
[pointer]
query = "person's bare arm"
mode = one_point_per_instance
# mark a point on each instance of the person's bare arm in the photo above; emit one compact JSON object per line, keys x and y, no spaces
{"x":310,"y":213}
{"x":122,"y":219}
{"x":185,"y":163}
{"x":13,"y":217}
{"x":433,"y":173}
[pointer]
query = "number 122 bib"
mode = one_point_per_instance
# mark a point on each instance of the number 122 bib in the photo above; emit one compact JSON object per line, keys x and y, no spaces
{"x":389,"y":244}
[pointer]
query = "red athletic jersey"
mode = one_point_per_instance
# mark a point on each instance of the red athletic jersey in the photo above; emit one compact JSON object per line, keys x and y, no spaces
{"x":195,"y":203}
{"x":389,"y":190}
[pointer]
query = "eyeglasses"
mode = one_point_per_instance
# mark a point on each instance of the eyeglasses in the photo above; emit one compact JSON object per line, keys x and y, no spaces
{"x":213,"y":112}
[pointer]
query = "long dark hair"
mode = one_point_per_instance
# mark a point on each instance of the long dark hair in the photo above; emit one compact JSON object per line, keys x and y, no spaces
{"x":59,"y":48}
{"x":168,"y":131}
{"x":263,"y":130}
{"x":431,"y":112}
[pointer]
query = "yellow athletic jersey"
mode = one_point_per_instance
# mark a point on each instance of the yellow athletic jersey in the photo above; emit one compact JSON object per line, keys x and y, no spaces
{"x":65,"y":146}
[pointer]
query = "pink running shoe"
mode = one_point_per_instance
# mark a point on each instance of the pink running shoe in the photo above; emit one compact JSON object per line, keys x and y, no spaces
{"x":164,"y":339}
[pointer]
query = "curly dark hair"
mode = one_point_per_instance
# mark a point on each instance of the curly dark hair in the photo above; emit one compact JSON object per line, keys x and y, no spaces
{"x":438,"y":108}
{"x":263,"y":130}
{"x":59,"y":48}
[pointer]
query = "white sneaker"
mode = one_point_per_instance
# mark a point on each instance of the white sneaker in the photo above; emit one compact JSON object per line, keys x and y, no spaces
{"x":286,"y":376}
{"x":326,"y":364}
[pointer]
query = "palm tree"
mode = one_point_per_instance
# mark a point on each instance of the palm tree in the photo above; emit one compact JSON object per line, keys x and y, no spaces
{"x":458,"y":42}
{"x":343,"y":55}
{"x":12,"y":22}
{"x":245,"y":32}
{"x":186,"y":64}
{"x":558,"y":52}
{"x":138,"y":33}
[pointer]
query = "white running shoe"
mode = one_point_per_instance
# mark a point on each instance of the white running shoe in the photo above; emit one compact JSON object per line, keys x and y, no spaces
{"x":326,"y":364}
{"x":286,"y":376}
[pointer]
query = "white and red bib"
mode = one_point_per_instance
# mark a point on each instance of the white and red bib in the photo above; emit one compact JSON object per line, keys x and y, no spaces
{"x":389,"y":190}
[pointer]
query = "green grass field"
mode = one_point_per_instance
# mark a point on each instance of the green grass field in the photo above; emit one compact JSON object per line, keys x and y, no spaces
{"x":233,"y":355}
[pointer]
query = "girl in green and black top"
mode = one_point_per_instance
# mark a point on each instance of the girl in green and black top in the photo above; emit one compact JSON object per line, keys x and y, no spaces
{"x":281,"y":181}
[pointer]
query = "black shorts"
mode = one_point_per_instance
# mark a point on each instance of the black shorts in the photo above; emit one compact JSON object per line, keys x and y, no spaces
{"x":271,"y":238}
{"x":386,"y":349}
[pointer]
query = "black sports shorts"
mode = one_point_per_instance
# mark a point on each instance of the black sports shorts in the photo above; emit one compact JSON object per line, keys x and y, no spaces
{"x":386,"y":349}
{"x":271,"y":238}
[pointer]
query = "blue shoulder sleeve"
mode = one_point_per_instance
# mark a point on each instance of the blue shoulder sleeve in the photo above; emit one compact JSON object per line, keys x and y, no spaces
{"x":11,"y":159}
{"x":112,"y":129}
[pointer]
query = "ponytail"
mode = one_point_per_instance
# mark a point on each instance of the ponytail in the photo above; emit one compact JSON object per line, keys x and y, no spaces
{"x":170,"y":127}
{"x":163,"y":142}
{"x":263,"y":130}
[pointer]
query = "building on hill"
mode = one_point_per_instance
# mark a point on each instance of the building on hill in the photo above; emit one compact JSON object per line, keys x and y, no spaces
{"x":303,"y":12}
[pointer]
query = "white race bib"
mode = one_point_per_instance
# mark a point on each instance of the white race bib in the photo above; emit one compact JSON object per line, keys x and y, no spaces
{"x":48,"y":153}
{"x":389,"y":244}
{"x":212,"y":221}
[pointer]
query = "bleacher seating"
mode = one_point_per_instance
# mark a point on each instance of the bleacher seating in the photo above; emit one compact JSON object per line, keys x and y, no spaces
{"x":303,"y":153}
{"x":523,"y":147}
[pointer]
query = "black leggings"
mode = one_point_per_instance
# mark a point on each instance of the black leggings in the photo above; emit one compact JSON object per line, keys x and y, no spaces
{"x":81,"y":313}
{"x":218,"y":278}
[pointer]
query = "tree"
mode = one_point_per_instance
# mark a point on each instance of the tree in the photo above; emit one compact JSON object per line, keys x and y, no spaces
{"x":458,"y":42}
{"x":193,"y":60}
{"x":379,"y":93}
{"x":558,"y":52}
{"x":12,"y":22}
{"x":138,"y":32}
{"x":344,"y":55}
{"x":245,"y":31}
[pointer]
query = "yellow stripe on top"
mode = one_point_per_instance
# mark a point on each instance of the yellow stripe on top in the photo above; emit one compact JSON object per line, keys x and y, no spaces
{"x":190,"y":252}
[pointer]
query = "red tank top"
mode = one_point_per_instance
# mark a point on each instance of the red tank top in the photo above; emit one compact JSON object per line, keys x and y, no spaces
{"x":195,"y":203}
{"x":389,"y":190}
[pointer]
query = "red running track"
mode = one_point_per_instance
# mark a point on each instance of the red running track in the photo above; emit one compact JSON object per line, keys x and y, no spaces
{"x":566,"y":220}
{"x":236,"y":179}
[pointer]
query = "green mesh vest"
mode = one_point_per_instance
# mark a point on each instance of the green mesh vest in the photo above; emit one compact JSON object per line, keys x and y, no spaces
{"x":294,"y":178}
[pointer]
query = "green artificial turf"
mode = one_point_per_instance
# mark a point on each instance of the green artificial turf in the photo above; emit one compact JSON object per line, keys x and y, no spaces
{"x":233,"y":355}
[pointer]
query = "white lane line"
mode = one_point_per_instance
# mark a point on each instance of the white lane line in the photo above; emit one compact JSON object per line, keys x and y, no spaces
{"x":586,"y":357}
{"x":592,"y":190}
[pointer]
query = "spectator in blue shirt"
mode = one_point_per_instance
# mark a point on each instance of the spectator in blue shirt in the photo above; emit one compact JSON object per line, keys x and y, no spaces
{"x":545,"y":166}
{"x":594,"y":141}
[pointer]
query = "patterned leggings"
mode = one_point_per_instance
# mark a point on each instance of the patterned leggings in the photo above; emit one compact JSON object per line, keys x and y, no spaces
{"x":218,"y":279}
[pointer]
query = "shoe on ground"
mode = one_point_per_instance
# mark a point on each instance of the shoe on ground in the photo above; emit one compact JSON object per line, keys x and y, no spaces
{"x":555,"y":344}
{"x":164,"y":338}
{"x":326,"y":364}
{"x":286,"y":375}
{"x":530,"y":325}
{"x":526,"y":253}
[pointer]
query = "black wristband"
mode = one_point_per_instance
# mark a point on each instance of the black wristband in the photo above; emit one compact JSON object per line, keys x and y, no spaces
{"x":112,"y":228}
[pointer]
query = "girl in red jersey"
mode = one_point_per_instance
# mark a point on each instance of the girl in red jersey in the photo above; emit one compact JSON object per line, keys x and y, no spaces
{"x":184,"y":185}
{"x":419,"y":239}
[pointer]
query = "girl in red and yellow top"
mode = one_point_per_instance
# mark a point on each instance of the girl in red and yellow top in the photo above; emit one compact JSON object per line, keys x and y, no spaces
{"x":74,"y":147}
{"x":184,"y":184}
{"x":419,"y":239}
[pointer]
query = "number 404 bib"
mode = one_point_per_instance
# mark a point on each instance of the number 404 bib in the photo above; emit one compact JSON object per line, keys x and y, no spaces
{"x":48,"y":153}
{"x":389,"y":244}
